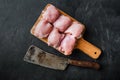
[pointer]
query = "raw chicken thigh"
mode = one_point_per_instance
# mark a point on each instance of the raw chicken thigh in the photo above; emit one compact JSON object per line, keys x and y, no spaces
{"x":60,"y":30}
{"x":55,"y":38}
{"x":67,"y":44}
{"x":62,"y":23}
{"x":51,"y":14}
{"x":43,"y":29}
{"x":76,"y":29}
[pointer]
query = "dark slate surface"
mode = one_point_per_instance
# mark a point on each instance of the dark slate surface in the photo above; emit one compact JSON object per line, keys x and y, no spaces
{"x":102,"y":20}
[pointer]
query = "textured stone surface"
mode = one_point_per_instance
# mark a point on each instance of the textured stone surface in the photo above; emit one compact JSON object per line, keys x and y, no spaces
{"x":102,"y":20}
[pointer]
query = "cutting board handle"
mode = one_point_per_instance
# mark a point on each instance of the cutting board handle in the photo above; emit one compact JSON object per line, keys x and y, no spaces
{"x":88,"y":48}
{"x":86,"y":64}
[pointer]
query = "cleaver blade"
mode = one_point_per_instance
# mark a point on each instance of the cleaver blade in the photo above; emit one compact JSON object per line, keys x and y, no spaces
{"x":37,"y":56}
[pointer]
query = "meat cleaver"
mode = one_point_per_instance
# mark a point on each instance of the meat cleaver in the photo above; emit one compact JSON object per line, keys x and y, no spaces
{"x":37,"y":56}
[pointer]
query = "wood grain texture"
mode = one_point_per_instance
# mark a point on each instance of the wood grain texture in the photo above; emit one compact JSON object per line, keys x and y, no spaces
{"x":86,"y":64}
{"x":88,"y":48}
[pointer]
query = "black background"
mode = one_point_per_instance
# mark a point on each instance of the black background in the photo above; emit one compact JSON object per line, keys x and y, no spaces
{"x":101,"y":18}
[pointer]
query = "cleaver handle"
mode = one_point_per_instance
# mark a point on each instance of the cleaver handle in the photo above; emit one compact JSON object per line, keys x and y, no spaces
{"x":86,"y":64}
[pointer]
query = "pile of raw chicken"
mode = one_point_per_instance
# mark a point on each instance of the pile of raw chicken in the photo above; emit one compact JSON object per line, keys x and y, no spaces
{"x":60,"y":30}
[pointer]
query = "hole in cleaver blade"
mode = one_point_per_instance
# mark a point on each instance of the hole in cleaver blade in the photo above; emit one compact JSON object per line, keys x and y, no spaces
{"x":37,"y":56}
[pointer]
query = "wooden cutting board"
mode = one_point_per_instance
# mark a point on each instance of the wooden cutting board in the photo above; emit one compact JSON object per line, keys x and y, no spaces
{"x":81,"y":43}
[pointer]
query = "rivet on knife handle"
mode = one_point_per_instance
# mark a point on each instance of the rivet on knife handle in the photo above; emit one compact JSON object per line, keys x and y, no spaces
{"x":86,"y":64}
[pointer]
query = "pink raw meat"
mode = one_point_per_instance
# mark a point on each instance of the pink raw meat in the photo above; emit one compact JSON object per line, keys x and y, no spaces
{"x":62,"y":23}
{"x":55,"y":38}
{"x":76,"y":29}
{"x":51,"y":14}
{"x":43,"y":29}
{"x":67,"y":44}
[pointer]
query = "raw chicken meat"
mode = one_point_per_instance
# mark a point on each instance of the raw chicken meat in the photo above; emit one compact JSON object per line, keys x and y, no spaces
{"x":62,"y":23}
{"x":55,"y":38}
{"x":76,"y":29}
{"x":67,"y":44}
{"x":51,"y":14}
{"x":60,"y":30}
{"x":43,"y":29}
